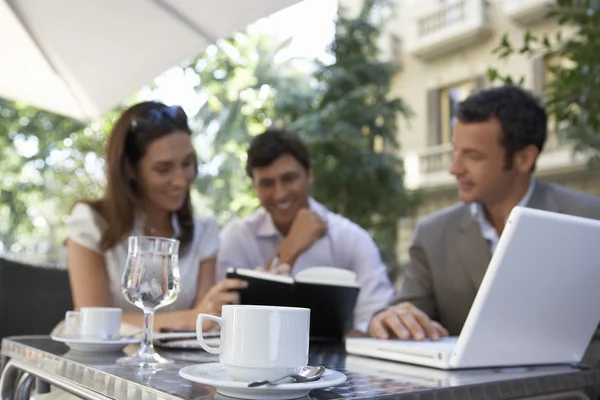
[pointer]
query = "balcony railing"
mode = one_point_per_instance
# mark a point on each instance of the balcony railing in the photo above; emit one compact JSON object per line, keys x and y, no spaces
{"x":435,"y":159}
{"x":429,"y":168}
{"x":448,"y":15}
{"x":448,"y":27}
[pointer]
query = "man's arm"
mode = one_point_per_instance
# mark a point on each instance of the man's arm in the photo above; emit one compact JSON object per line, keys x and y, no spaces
{"x":376,"y":290}
{"x":307,"y":228}
{"x":236,"y":248}
{"x":416,"y":287}
{"x":412,"y":311}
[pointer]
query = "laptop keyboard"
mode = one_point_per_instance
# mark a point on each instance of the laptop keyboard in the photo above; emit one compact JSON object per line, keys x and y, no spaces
{"x":444,"y":344}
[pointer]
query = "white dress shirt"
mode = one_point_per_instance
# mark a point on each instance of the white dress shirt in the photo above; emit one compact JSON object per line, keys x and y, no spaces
{"x":250,"y":242}
{"x":487,"y":230}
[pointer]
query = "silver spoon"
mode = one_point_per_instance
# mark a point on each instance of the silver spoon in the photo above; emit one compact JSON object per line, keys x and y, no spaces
{"x":306,"y":374}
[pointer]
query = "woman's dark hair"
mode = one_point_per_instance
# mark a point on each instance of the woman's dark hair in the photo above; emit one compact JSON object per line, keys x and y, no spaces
{"x":273,"y":143}
{"x":135,"y":130}
{"x":522,"y":118}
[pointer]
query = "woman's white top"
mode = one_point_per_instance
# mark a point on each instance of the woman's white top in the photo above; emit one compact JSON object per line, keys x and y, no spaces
{"x":86,"y":225}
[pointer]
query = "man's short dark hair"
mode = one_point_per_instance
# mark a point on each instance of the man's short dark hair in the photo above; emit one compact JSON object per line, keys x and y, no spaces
{"x":522,"y":118}
{"x":273,"y":143}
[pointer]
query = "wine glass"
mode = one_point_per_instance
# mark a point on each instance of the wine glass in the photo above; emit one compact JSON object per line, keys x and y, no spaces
{"x":150,"y":281}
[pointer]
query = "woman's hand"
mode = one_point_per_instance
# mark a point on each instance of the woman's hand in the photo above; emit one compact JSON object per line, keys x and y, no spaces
{"x":223,"y":293}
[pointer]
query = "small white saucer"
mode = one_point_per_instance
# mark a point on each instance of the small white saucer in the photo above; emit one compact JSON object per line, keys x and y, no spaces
{"x":215,"y":375}
{"x":89,"y":345}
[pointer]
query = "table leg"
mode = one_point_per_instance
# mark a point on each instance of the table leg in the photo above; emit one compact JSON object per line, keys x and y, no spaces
{"x":24,"y":386}
{"x":41,"y":386}
{"x":8,"y":382}
{"x":9,"y":388}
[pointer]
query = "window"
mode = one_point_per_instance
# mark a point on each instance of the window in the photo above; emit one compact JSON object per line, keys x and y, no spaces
{"x":450,"y":97}
{"x":441,"y":108}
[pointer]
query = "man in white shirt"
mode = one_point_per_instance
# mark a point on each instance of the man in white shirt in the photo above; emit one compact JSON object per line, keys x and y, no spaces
{"x":292,"y":231}
{"x":497,"y":139}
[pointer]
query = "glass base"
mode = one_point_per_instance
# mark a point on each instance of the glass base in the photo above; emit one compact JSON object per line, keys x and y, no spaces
{"x":146,"y":359}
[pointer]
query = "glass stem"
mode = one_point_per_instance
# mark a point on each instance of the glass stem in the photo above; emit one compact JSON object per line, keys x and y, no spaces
{"x":147,"y":330}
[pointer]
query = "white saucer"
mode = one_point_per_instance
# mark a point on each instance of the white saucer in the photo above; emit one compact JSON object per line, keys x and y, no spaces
{"x":89,"y":345}
{"x":214,"y":374}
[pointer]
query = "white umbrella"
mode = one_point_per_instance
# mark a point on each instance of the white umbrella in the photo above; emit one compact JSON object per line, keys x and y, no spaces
{"x":81,"y":58}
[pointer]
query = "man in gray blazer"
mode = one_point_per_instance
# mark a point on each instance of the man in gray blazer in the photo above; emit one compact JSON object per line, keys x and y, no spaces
{"x":497,"y":139}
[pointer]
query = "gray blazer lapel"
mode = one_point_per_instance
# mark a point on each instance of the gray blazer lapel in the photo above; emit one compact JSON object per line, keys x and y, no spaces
{"x":473,"y":248}
{"x":542,"y":198}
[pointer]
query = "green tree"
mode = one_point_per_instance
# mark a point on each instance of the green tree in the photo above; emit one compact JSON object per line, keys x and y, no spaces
{"x":572,"y":94}
{"x":50,"y":161}
{"x":352,"y":129}
{"x":47,"y":162}
{"x":245,"y":86}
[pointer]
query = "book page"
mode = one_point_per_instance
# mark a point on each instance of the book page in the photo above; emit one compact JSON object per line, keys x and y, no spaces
{"x":327,"y":276}
{"x":252,"y":273}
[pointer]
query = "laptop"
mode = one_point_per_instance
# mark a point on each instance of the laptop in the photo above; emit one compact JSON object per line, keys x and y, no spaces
{"x":413,"y":375}
{"x":538,"y":303}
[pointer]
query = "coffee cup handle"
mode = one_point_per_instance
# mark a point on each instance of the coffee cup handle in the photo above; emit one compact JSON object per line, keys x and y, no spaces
{"x":200,"y":336}
{"x":69,"y":320}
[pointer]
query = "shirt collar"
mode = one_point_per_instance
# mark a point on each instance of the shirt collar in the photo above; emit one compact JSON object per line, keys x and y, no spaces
{"x":266,"y":227}
{"x":477,"y":208}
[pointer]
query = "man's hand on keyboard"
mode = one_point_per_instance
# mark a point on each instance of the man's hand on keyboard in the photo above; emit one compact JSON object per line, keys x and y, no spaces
{"x":405,"y":321}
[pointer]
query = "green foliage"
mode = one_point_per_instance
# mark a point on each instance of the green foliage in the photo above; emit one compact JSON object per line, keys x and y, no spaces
{"x":343,"y":113}
{"x":352,"y":130}
{"x":43,"y":172}
{"x":573,"y":93}
{"x":342,"y":110}
{"x":243,"y":81}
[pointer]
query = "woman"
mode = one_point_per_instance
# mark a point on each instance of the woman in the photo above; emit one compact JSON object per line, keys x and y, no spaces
{"x":150,"y":166}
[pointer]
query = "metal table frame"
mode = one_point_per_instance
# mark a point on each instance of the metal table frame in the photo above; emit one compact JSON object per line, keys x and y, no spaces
{"x":25,"y":367}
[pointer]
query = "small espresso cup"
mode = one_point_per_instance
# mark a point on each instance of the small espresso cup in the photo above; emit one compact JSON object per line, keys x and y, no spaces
{"x":260,"y":342}
{"x":94,"y":322}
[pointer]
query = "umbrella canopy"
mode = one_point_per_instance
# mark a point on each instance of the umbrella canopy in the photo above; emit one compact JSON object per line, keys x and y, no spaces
{"x":81,"y":58}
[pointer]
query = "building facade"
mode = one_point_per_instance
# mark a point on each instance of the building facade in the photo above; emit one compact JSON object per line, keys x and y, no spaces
{"x":444,"y":48}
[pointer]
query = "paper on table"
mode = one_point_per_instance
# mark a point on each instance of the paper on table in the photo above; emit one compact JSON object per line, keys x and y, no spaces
{"x":185,"y":340}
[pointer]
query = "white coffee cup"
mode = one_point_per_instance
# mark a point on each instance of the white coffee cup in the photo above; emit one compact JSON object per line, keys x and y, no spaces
{"x":260,"y":342}
{"x":94,"y":322}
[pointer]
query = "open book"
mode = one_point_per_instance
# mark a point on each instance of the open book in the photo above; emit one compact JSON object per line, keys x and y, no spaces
{"x":329,"y":292}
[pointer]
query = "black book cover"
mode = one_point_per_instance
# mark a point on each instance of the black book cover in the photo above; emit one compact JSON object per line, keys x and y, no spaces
{"x":331,"y":300}
{"x":264,"y":290}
